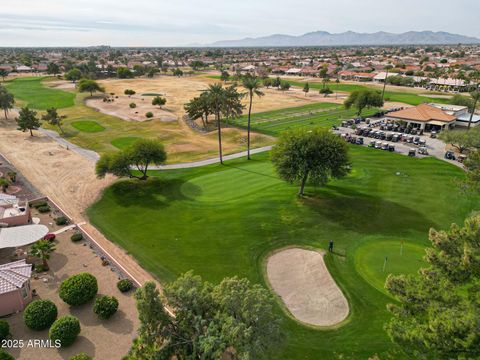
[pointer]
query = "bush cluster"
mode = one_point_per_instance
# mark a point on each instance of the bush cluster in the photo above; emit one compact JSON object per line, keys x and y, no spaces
{"x":61,"y":220}
{"x":76,"y":237}
{"x":44,"y":209}
{"x":149,"y":114}
{"x":78,"y":289}
{"x":5,"y":356}
{"x":65,"y":329}
{"x":81,"y":356}
{"x":105,"y":306}
{"x":124,"y":285}
{"x":40,"y":314}
{"x":4,"y":329}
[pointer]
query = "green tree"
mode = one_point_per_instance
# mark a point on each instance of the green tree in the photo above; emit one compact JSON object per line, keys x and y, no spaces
{"x":472,"y":165}
{"x":314,"y":156}
{"x":324,"y":75}
{"x":438,"y":312}
{"x":6,"y":100}
{"x":177,"y":72}
{"x":42,"y":249}
{"x":284,"y":85}
{"x":3,"y":73}
{"x":91,"y":86}
{"x":4,"y":184}
{"x":138,"y":157}
{"x":124,"y":73}
{"x":158,"y":100}
{"x":73,"y":75}
{"x":306,"y":89}
{"x":361,"y":99}
{"x":199,"y":108}
{"x":252,"y":84}
{"x":225,"y":76}
{"x":27,"y":120}
{"x":53,"y":69}
{"x":462,"y":140}
{"x":234,"y":318}
{"x":54,"y":119}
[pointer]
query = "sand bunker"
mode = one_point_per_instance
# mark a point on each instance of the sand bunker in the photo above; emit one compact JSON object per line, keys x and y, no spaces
{"x":302,"y":281}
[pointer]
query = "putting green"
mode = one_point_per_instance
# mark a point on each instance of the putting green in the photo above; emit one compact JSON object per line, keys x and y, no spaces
{"x":88,"y":126}
{"x":124,"y":142}
{"x":376,"y":260}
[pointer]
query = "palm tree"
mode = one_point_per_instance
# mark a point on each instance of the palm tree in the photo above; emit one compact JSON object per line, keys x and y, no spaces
{"x":387,"y":68}
{"x":252,"y":84}
{"x":42,"y":250}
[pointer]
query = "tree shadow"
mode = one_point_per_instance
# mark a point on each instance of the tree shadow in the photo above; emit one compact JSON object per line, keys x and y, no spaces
{"x":81,"y":344}
{"x":119,"y":323}
{"x":367,"y":214}
{"x":153,"y":194}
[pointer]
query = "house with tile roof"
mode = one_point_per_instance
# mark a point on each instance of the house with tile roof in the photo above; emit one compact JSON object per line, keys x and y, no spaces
{"x":424,"y":116}
{"x":15,"y":289}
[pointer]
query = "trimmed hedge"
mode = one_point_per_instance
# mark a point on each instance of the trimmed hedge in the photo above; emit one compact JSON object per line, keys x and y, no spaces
{"x":81,"y":356}
{"x":105,"y":306}
{"x":4,"y":329}
{"x":61,"y":220}
{"x":65,"y":329}
{"x":78,"y":289}
{"x":5,"y":356}
{"x":125,"y":285}
{"x":44,"y":209}
{"x":76,"y":237}
{"x":40,"y":204}
{"x":40,"y":314}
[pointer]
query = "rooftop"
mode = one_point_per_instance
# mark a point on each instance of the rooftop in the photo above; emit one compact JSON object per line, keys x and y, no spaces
{"x":423,"y":113}
{"x":13,"y":275}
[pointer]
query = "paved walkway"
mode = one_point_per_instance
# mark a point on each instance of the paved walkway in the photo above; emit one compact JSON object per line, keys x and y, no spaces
{"x":89,"y":154}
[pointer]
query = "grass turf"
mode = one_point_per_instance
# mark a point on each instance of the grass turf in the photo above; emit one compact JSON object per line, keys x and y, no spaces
{"x":33,"y":94}
{"x":224,"y":221}
{"x":87,"y":126}
{"x":124,"y":142}
{"x":318,"y":114}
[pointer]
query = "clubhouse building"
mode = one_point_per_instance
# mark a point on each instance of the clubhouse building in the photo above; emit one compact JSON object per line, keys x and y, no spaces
{"x":434,"y":117}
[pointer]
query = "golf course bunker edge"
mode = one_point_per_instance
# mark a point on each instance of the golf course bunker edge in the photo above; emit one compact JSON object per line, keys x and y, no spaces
{"x":301,"y":279}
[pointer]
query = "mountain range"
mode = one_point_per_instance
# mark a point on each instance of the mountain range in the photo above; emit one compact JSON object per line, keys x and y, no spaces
{"x":324,"y":38}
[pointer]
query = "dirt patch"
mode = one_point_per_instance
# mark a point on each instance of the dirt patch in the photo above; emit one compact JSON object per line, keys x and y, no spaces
{"x":307,"y":289}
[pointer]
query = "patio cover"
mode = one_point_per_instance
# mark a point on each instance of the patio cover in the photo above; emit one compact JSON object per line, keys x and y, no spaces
{"x":21,"y":235}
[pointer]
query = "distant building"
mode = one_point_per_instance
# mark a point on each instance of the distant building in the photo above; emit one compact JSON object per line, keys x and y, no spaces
{"x":426,"y":117}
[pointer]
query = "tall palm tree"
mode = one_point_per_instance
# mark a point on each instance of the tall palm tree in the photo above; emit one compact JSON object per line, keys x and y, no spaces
{"x":42,"y":250}
{"x":217,"y":97}
{"x":387,"y":68}
{"x":252,"y":84}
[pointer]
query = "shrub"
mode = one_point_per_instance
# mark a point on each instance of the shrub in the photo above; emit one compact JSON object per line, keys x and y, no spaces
{"x":61,"y":220}
{"x":40,"y":268}
{"x":132,"y":105}
{"x":4,"y":330}
{"x":76,"y":237}
{"x":5,"y":356}
{"x":78,"y":289}
{"x":65,"y":329}
{"x":81,"y":356}
{"x":49,"y":237}
{"x":149,"y":114}
{"x":124,"y":285}
{"x":40,"y":314}
{"x":129,"y":92}
{"x":40,"y":204}
{"x":105,"y":306}
{"x":44,"y":209}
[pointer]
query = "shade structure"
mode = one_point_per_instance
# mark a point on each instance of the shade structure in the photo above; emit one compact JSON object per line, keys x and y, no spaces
{"x":21,"y":235}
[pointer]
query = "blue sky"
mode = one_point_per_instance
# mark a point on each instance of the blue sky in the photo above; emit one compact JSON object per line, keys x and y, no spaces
{"x":183,"y":22}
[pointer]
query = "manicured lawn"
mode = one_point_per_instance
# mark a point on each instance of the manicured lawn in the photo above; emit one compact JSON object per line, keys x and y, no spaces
{"x":124,"y":142}
{"x":318,"y":114}
{"x":35,"y":95}
{"x":225,"y":220}
{"x":88,"y":126}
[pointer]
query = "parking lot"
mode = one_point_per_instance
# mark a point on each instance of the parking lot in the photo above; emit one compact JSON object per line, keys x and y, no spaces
{"x":384,"y":140}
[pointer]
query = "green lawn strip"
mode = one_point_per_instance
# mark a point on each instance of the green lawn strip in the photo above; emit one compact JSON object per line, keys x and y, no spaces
{"x":224,"y":220}
{"x":32,"y":93}
{"x":88,"y":126}
{"x":124,"y":142}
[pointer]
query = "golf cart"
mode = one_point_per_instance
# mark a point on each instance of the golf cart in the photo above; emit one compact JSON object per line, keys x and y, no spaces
{"x":378,"y":144}
{"x":450,"y":155}
{"x":461,"y":158}
{"x":416,"y":141}
{"x":433,"y":134}
{"x":395,"y":137}
{"x":391,"y":148}
{"x":423,"y":150}
{"x":412,"y":152}
{"x":371,"y":144}
{"x":385,"y":146}
{"x":359,"y":141}
{"x":422,"y":142}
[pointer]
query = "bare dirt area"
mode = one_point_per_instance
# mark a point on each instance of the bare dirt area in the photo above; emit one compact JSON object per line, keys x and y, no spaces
{"x":120,"y":107}
{"x":60,"y":84}
{"x":303,"y":282}
{"x":97,"y":336}
{"x":180,"y":90}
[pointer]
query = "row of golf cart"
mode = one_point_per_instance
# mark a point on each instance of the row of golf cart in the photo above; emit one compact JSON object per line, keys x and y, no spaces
{"x":450,"y":155}
{"x":382,"y":135}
